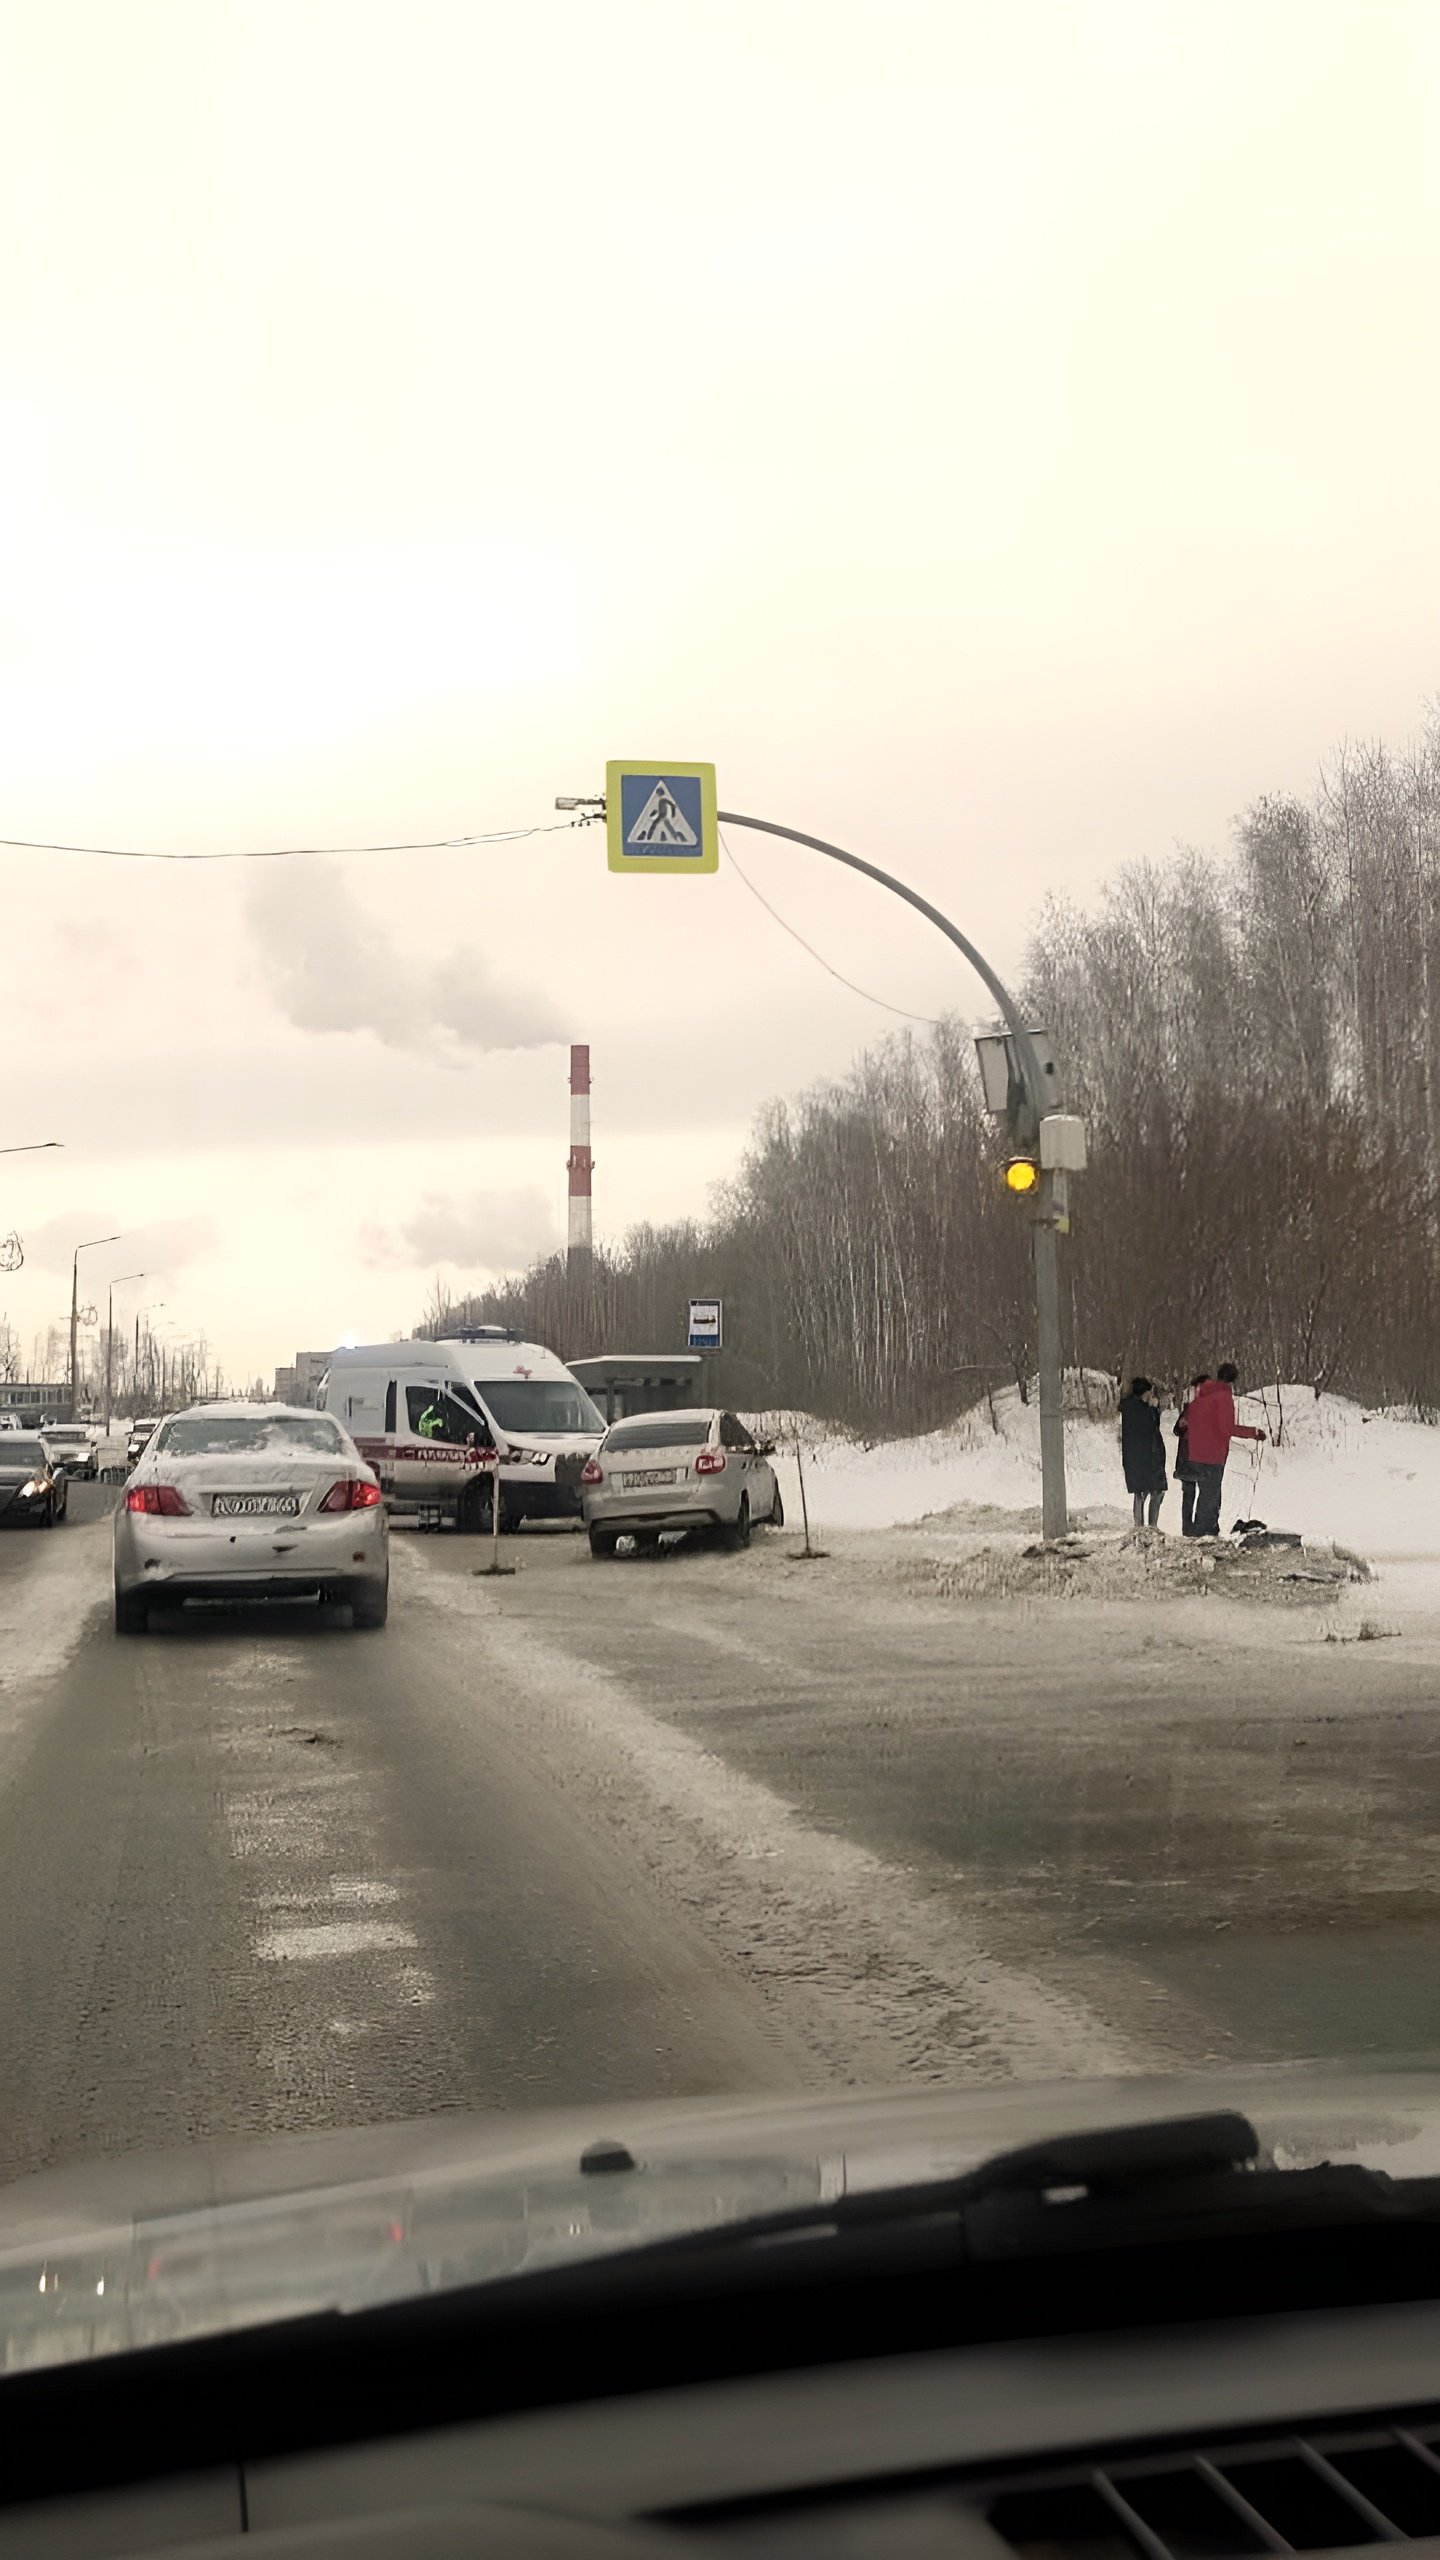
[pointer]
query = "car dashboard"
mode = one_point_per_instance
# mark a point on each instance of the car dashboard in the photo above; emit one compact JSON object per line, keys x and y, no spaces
{"x":1192,"y":2440}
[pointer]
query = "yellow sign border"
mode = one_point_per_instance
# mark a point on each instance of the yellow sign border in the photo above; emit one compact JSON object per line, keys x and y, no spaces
{"x":708,"y":857}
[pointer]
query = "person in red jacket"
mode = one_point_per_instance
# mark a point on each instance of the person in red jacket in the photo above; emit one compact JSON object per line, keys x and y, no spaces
{"x":1210,"y":1426}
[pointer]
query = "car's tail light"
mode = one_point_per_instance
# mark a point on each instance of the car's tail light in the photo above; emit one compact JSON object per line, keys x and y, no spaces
{"x":711,"y":1462}
{"x":592,"y":1472}
{"x":352,"y":1493}
{"x":166,"y":1499}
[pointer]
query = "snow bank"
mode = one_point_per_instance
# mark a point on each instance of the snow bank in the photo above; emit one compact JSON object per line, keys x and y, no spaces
{"x":1141,"y":1566}
{"x":1369,"y":1480}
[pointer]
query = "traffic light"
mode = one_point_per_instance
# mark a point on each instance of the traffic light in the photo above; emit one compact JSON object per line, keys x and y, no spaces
{"x":1022,"y":1174}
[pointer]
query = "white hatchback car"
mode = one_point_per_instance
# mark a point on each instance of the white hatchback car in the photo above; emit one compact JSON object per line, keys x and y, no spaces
{"x":694,"y":1469}
{"x":243,"y":1501}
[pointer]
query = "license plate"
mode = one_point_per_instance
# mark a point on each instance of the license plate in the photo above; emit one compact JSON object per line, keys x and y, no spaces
{"x":249,"y":1506}
{"x":648,"y":1475}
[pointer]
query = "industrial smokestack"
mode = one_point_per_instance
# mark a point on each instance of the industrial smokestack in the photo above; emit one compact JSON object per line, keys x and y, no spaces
{"x":580,"y":1163}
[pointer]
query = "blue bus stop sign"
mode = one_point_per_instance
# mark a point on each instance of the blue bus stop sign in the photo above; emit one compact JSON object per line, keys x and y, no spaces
{"x":705,"y":1331}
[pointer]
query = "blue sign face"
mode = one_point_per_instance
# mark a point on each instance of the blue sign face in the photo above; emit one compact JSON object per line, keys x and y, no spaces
{"x":662,"y":816}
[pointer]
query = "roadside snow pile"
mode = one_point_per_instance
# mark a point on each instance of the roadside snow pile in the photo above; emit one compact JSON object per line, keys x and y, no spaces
{"x":1141,"y":1566}
{"x":1369,"y":1479}
{"x":992,"y":1475}
{"x":973,"y":1518}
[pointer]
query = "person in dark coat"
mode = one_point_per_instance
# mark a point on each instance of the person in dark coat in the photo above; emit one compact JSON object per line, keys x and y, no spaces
{"x":1142,"y":1451}
{"x":1185,"y":1475}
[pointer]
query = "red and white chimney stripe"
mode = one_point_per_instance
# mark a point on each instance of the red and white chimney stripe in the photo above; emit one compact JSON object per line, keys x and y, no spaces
{"x":580,"y":1160}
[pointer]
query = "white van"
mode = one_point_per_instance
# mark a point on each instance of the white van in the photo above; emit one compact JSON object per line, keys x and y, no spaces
{"x":420,"y":1412}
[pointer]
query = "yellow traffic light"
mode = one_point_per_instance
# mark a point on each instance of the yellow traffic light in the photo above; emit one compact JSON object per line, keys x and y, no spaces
{"x":1022,"y":1174}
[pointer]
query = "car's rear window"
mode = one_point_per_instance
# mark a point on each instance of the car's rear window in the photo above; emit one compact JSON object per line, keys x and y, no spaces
{"x":22,"y":1453}
{"x":259,"y":1435}
{"x":662,"y":1431}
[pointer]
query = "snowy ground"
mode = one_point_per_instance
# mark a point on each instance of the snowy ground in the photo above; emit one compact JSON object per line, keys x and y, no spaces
{"x":1370,"y":1480}
{"x":706,"y":1819}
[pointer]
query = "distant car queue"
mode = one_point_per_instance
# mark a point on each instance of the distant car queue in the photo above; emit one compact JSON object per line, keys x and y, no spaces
{"x":236,"y":1499}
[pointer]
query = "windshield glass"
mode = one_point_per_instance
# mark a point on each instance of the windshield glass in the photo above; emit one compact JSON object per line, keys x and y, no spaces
{"x":257,"y":1435}
{"x":973,"y":1125}
{"x":665,"y":1431}
{"x":538,"y":1404}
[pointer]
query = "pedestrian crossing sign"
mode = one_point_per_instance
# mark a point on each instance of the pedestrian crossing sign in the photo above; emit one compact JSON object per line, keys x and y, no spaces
{"x":661,"y":817}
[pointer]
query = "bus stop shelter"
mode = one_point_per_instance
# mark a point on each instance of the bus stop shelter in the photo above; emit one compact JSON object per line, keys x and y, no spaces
{"x":643,"y":1382}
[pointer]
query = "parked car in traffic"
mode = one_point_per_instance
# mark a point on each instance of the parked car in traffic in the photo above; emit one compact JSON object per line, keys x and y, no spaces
{"x":74,"y":1448}
{"x":242,"y":1501}
{"x":34,"y":1491}
{"x":11,"y":1422}
{"x":696,"y":1469}
{"x":142,"y":1432}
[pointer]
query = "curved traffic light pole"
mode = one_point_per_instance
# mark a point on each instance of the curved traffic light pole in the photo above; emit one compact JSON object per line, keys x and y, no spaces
{"x":1054,"y":1516}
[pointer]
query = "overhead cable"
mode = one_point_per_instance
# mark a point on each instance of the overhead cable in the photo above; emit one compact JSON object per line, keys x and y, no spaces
{"x":291,"y":852}
{"x":929,"y":1019}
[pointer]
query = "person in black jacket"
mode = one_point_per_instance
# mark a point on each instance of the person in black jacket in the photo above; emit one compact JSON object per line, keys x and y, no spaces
{"x":1142,"y":1451}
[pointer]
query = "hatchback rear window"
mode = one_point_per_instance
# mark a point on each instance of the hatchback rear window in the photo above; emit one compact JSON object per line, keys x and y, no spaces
{"x":255,"y":1435}
{"x":662,"y":1431}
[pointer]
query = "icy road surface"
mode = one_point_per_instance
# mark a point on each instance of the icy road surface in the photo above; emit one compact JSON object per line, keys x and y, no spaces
{"x":693,"y":1823}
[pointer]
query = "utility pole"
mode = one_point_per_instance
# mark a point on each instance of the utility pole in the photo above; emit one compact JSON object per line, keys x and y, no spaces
{"x":1054,"y":1513}
{"x":110,"y":1342}
{"x":86,"y":1247}
{"x":1045,"y":1149}
{"x":1040,"y":1086}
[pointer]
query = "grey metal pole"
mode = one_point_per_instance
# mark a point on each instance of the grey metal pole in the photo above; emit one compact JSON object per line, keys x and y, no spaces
{"x":74,"y":1321}
{"x":1040,"y":1092}
{"x":1054,"y":1517}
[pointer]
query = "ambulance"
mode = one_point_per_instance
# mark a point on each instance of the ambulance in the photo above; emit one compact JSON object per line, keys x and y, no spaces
{"x":426,"y":1416}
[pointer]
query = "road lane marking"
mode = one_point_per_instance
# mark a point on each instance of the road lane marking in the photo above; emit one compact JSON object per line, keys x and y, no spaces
{"x":302,"y":1828}
{"x":307,"y":1939}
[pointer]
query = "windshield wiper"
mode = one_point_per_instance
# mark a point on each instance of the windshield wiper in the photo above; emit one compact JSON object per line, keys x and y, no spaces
{"x":1188,"y":2177}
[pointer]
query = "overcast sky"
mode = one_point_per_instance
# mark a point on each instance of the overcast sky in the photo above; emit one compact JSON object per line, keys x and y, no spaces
{"x":1001,"y":437}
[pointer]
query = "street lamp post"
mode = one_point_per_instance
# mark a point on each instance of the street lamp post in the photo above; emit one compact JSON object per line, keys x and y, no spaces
{"x":172,"y":1358}
{"x":89,"y":1243}
{"x":1038,"y":1079}
{"x":1038,"y":1084}
{"x":115,"y":1284}
{"x":143,"y":1315}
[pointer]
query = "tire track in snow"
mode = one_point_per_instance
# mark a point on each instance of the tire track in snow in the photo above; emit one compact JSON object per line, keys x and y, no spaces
{"x":49,"y":1597}
{"x":878,"y":1976}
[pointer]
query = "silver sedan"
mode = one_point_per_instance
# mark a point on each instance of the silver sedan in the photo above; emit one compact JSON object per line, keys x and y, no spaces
{"x":695,"y":1469}
{"x":251,"y":1502}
